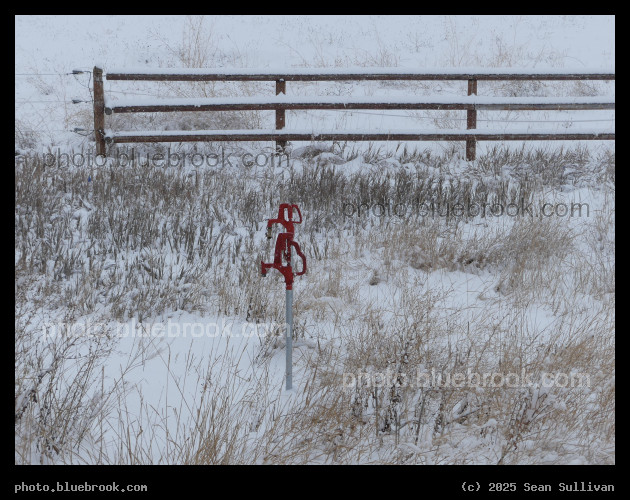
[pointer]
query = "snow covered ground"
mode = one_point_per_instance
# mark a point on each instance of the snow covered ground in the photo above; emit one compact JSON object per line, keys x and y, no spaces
{"x":185,"y":363}
{"x":49,"y":48}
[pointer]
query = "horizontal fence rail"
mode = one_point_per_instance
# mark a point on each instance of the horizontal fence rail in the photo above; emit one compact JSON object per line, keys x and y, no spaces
{"x":280,"y":103}
{"x":295,"y":135}
{"x":322,"y":75}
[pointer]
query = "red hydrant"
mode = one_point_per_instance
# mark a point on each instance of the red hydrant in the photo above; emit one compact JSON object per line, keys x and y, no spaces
{"x":284,"y":244}
{"x":283,"y":251}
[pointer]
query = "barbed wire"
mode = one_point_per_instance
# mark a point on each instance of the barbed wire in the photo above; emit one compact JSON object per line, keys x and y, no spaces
{"x":74,"y":72}
{"x":71,"y":101}
{"x":463,"y":119}
{"x":131,"y":93}
{"x":71,"y":131}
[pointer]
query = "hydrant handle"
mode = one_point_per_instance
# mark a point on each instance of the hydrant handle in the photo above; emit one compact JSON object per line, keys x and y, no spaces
{"x":302,"y":256}
{"x":299,"y":213}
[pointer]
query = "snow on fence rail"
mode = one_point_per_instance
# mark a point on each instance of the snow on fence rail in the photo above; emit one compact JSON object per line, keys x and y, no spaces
{"x":280,"y":103}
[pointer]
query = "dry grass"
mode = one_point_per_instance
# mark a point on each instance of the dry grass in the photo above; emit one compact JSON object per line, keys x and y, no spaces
{"x":137,"y":242}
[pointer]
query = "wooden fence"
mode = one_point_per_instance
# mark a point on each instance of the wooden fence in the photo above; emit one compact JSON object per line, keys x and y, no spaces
{"x":281,"y":103}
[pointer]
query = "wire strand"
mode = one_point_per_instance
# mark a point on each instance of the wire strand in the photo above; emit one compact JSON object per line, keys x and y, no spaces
{"x":463,"y":119}
{"x":131,"y":93}
{"x":62,"y":100}
{"x":52,"y":74}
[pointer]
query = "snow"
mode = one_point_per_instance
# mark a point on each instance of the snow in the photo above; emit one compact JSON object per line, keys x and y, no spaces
{"x":49,"y":47}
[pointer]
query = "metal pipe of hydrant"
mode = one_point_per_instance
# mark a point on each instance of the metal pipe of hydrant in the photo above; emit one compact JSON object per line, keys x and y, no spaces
{"x":289,"y":314}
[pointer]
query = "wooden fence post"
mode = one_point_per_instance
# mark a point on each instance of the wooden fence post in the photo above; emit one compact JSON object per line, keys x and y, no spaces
{"x":281,"y":88}
{"x":99,"y":111}
{"x":471,"y":123}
